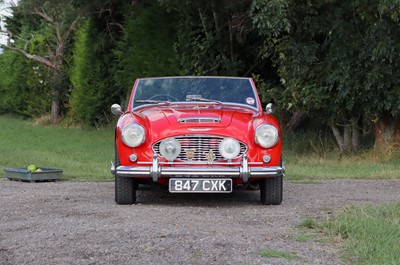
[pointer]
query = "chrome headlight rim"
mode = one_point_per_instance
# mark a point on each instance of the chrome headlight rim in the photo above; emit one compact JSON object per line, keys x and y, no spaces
{"x":267,"y":135}
{"x":133,"y":134}
{"x":232,"y":142}
{"x":170,"y":148}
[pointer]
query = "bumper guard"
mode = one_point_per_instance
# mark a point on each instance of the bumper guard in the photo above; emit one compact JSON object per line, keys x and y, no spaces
{"x":156,"y":171}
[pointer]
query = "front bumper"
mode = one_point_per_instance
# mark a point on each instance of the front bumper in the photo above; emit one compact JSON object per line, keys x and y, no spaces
{"x":156,"y":171}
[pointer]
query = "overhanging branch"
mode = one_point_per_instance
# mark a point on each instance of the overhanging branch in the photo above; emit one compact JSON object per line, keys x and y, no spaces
{"x":42,"y":13}
{"x":71,"y":28}
{"x":33,"y":57}
{"x":55,"y":54}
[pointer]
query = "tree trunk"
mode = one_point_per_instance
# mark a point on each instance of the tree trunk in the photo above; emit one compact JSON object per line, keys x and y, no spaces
{"x":387,"y":131}
{"x":355,"y":137}
{"x":55,"y":106}
{"x":349,"y":140}
{"x":338,"y":136}
{"x":295,"y":121}
{"x":58,"y":86}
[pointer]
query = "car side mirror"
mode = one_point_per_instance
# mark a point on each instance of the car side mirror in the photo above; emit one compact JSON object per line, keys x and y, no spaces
{"x":116,"y":109}
{"x":269,"y":108}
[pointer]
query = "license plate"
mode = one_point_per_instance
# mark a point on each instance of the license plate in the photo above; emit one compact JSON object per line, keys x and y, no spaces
{"x":200,"y":185}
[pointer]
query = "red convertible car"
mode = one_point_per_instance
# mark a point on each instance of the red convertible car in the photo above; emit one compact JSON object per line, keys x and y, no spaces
{"x":197,"y":135}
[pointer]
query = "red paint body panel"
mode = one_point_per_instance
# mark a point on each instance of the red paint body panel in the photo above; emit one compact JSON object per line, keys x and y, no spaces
{"x":162,"y":121}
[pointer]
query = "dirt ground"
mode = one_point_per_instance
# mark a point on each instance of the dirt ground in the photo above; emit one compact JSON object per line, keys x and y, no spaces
{"x":79,"y":223}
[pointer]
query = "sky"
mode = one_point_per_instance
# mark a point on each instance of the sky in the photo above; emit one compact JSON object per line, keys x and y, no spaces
{"x":5,"y":11}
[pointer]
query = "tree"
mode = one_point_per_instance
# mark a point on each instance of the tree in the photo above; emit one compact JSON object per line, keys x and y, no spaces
{"x":146,"y":47}
{"x":58,"y":19}
{"x":217,"y":38}
{"x":336,"y":60}
{"x":25,"y":94}
{"x":86,"y":74}
{"x":93,"y":89}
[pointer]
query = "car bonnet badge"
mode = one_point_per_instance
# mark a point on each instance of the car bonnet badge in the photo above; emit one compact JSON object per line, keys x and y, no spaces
{"x":190,"y":154}
{"x":210,"y":156}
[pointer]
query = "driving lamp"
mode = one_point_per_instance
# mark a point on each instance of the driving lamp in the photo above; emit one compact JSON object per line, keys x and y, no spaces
{"x":229,"y":148}
{"x":170,"y":148}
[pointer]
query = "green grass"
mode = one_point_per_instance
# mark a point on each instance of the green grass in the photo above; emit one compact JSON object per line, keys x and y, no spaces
{"x":84,"y":154}
{"x":371,"y":233}
{"x":315,"y":167}
{"x":305,"y":237}
{"x":304,"y":181}
{"x":309,"y":230}
{"x":310,"y":156}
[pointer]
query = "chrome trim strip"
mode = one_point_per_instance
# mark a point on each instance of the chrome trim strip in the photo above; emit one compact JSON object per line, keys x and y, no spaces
{"x":199,"y":119}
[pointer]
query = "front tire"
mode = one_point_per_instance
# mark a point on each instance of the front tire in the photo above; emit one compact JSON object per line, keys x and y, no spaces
{"x":271,"y":190}
{"x":125,"y":188}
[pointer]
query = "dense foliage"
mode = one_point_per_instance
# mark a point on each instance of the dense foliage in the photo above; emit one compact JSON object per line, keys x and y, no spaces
{"x":334,"y":61}
{"x":337,"y":60}
{"x":90,"y":76}
{"x":146,"y":46}
{"x":26,"y":94}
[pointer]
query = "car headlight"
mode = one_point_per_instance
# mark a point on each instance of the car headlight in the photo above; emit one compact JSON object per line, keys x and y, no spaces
{"x":170,"y":148}
{"x":229,"y":148}
{"x":133,"y":135}
{"x":267,"y":135}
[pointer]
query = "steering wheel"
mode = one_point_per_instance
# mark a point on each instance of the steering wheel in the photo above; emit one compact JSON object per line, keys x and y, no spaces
{"x":165,"y":96}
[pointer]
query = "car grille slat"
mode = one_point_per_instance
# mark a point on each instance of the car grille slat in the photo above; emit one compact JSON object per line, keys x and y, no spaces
{"x":194,"y":148}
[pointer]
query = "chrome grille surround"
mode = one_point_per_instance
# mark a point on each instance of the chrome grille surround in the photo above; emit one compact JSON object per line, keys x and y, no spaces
{"x":198,"y":146}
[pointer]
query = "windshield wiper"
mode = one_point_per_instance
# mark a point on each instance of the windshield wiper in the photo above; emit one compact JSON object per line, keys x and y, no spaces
{"x":203,"y":99}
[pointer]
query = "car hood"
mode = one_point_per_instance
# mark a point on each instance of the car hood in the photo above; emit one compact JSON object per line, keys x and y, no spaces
{"x":167,"y":120}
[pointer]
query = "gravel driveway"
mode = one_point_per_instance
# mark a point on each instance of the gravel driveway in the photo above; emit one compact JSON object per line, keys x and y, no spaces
{"x":79,"y":223}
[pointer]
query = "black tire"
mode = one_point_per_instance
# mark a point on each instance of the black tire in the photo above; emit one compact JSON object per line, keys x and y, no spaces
{"x":125,"y":188}
{"x":271,"y":190}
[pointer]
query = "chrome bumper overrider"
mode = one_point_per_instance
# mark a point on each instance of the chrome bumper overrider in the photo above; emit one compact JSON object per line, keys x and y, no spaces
{"x":155,"y":170}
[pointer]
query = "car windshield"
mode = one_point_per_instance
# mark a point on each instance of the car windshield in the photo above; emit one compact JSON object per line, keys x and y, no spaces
{"x":213,"y":90}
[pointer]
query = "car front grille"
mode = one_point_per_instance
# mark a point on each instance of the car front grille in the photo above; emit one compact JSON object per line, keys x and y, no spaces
{"x":197,"y":148}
